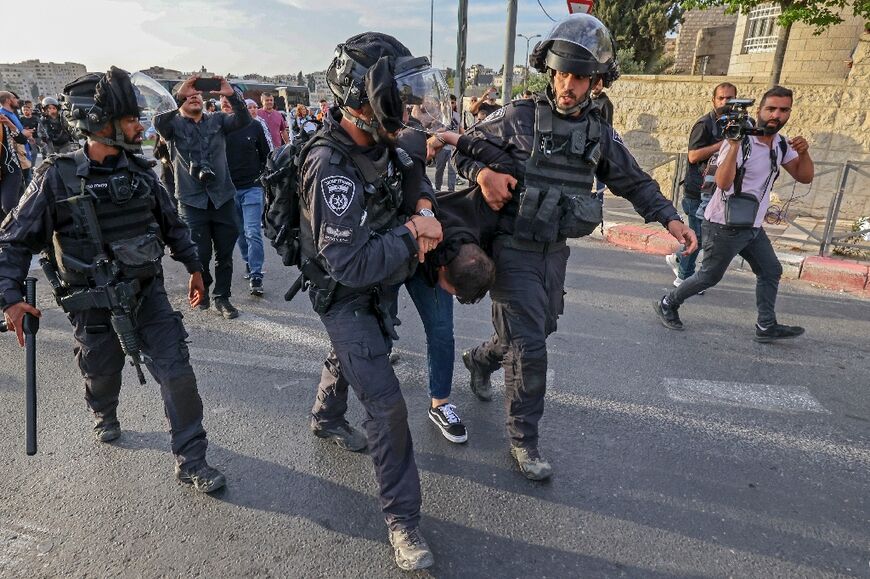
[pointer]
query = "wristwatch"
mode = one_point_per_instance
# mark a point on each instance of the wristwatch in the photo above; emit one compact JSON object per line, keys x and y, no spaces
{"x":426,"y":213}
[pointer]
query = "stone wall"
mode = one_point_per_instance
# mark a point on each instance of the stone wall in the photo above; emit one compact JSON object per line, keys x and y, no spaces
{"x":694,"y":24}
{"x":808,"y":56}
{"x":654,"y":114}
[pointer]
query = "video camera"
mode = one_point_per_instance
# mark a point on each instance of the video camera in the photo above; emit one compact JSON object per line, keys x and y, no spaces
{"x":735,"y":121}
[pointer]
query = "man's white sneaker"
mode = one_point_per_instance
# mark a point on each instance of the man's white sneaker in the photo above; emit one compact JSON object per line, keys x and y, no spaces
{"x":674,"y":264}
{"x":449,"y":423}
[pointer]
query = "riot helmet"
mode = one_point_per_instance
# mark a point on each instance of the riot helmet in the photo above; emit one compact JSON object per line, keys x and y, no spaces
{"x":50,"y":101}
{"x":579,"y":44}
{"x":92,"y":100}
{"x":376,"y":69}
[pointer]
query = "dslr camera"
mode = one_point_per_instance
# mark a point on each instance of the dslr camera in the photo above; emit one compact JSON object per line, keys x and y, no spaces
{"x":735,"y":121}
{"x":202,"y":171}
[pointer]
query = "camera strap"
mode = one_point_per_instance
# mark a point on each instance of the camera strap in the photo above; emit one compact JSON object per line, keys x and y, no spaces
{"x":775,"y":162}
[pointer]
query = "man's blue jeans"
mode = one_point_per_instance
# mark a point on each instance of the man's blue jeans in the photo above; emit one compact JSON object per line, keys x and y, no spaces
{"x":249,"y":203}
{"x":687,"y":262}
{"x":435,"y":307}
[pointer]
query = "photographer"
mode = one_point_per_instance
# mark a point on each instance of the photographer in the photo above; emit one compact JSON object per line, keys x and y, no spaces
{"x":704,"y":141}
{"x":748,"y":165}
{"x":203,"y":187}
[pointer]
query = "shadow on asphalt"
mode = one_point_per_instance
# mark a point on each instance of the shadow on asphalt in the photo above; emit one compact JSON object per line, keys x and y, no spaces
{"x":266,"y":486}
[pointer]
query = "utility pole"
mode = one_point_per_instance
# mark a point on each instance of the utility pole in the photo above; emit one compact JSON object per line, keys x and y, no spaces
{"x":461,"y":41}
{"x":431,"y":29}
{"x":507,"y":84}
{"x":528,"y":40}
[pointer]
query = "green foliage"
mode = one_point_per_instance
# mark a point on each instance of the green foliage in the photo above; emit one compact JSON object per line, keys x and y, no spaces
{"x":537,"y":83}
{"x":641,"y":26}
{"x":627,"y":62}
{"x":820,"y":14}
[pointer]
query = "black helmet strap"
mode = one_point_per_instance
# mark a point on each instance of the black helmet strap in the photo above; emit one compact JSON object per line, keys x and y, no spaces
{"x":118,"y":141}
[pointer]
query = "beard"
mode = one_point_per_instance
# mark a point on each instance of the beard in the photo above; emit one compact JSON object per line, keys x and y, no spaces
{"x":771,"y":126}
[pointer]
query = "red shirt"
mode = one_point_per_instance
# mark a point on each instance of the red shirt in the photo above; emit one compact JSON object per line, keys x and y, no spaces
{"x":276,"y":123}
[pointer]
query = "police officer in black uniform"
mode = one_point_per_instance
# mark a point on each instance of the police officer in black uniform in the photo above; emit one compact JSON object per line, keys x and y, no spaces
{"x":357,"y":248}
{"x":102,"y":218}
{"x":560,"y":144}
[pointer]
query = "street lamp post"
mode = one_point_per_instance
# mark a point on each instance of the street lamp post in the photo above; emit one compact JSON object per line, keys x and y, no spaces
{"x":528,"y":40}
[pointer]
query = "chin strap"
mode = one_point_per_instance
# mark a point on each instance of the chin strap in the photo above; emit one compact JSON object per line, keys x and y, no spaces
{"x":371,"y":127}
{"x":118,"y":141}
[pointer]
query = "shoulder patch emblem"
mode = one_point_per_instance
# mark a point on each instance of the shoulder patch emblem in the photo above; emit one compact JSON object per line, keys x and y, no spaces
{"x":618,"y":138}
{"x":330,"y":233}
{"x":338,"y":193}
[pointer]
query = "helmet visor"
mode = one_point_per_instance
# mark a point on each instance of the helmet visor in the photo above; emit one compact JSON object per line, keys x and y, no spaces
{"x":428,"y":96}
{"x":153,"y":97}
{"x":586,"y":31}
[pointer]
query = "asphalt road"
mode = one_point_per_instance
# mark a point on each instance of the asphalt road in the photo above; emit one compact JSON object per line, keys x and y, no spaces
{"x":698,"y":453}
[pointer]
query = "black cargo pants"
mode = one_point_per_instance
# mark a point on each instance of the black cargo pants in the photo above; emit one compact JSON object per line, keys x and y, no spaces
{"x":360,"y":358}
{"x":527,"y":300}
{"x":162,"y":337}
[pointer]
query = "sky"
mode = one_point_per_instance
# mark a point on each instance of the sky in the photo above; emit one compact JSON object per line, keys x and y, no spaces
{"x":263,"y":36}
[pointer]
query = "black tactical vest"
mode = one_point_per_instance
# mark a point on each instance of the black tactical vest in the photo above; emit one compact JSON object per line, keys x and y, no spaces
{"x":382,"y":187}
{"x":123,"y":203}
{"x":558,"y":201}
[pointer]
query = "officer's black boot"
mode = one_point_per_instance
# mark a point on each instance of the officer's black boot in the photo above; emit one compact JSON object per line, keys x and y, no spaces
{"x":344,"y":435}
{"x":411,"y":550}
{"x":204,"y":478}
{"x":107,"y":428}
{"x":480,"y":378}
{"x":531,"y":464}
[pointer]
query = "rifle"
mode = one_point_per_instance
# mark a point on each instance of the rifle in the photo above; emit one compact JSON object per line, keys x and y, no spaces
{"x":108,"y":293}
{"x":30,"y":327}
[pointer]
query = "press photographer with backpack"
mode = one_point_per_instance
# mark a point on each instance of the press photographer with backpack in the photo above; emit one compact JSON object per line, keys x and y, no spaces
{"x":748,"y":164}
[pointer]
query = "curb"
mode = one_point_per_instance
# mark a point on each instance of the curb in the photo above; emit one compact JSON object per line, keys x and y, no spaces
{"x":827,"y":272}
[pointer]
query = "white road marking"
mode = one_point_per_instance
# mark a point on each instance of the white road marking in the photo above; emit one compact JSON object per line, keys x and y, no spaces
{"x":748,"y":395}
{"x":719,"y":429}
{"x":19,"y":541}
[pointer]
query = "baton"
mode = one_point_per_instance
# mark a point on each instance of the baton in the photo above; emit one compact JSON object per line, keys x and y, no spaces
{"x":31,"y":326}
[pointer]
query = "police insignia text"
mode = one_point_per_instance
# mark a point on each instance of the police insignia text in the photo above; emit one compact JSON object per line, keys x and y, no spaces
{"x":338,"y":193}
{"x":330,"y":233}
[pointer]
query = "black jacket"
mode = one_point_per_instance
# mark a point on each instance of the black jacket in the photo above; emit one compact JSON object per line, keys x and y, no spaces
{"x":247,"y":151}
{"x":200,"y":142}
{"x":28,"y":230}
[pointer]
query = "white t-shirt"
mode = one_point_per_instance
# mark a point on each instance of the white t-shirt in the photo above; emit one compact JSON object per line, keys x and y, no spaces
{"x":757,"y":173}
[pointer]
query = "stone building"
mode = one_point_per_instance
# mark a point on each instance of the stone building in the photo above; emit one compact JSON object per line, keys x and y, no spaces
{"x":807,"y":57}
{"x":705,"y":42}
{"x":711,"y":42}
{"x":32,"y":78}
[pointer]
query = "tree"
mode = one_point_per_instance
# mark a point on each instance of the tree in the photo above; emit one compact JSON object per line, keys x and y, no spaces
{"x":300,"y":79}
{"x":641,"y":25}
{"x":820,"y":14}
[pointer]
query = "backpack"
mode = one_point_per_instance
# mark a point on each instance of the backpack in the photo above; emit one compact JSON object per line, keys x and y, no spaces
{"x":281,"y":184}
{"x":281,"y":210}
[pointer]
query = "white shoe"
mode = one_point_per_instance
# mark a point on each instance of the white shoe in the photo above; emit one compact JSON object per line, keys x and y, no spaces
{"x":674,"y":262}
